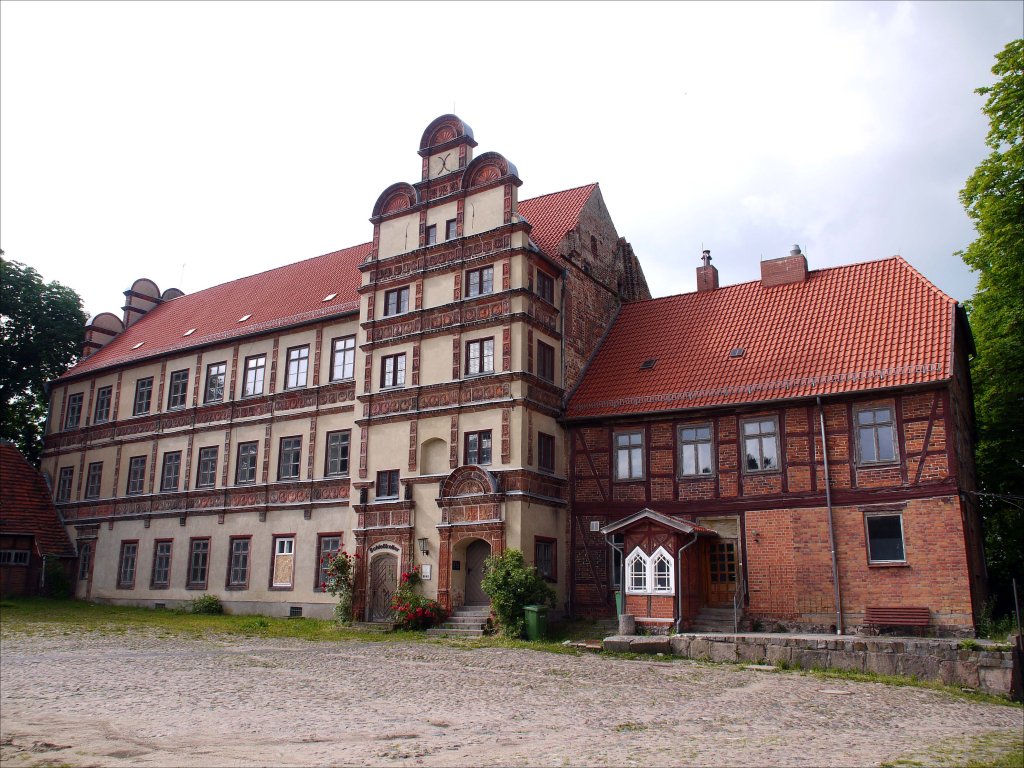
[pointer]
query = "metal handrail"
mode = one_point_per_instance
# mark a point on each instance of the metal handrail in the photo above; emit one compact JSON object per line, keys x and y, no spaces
{"x":738,"y":596}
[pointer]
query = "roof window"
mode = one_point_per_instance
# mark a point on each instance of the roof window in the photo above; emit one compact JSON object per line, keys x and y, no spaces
{"x":243,"y":318}
{"x":328,"y":297}
{"x":138,"y":345}
{"x":646,"y":365}
{"x":737,"y":352}
{"x":189,"y":332}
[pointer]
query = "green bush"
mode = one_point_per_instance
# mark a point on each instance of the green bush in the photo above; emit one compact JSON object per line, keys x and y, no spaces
{"x":205,"y":604}
{"x":56,"y":581}
{"x":340,"y":578}
{"x":512,"y":584}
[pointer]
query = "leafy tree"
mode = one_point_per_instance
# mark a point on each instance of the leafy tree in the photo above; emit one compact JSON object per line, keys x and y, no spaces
{"x":40,"y":333}
{"x":512,"y":584}
{"x":994,"y":199}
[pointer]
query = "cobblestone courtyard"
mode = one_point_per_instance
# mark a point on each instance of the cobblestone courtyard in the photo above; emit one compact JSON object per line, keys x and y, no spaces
{"x":143,"y":699}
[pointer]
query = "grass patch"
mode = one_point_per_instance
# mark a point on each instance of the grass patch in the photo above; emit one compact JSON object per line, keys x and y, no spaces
{"x":43,"y":616}
{"x":998,"y":749}
{"x":899,"y":680}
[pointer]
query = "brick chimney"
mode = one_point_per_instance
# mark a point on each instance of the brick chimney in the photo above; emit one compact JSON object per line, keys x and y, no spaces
{"x":788,"y":269}
{"x":707,"y":275}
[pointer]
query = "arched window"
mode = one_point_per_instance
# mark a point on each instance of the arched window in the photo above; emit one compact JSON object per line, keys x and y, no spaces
{"x":662,"y":576}
{"x":654,"y":575}
{"x":637,"y":572}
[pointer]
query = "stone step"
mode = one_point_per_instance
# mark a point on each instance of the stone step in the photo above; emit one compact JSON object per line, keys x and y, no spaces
{"x":472,"y":610}
{"x":477,"y":620}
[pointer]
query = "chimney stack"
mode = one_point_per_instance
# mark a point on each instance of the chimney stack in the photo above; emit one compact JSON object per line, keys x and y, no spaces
{"x":707,"y":275}
{"x":788,"y":269}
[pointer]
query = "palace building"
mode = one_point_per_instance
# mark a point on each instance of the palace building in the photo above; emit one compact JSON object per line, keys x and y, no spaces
{"x":489,"y":373}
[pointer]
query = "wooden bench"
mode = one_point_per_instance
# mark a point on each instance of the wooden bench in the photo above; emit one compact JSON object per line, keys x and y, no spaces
{"x":899,"y":616}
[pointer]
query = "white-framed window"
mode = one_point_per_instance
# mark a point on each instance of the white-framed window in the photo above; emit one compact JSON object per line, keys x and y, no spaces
{"x":636,"y":572}
{"x":343,"y":358}
{"x":661,"y":573}
{"x":14,"y":556}
{"x":215,"y":373}
{"x":650,"y":575}
{"x":298,"y":364}
{"x":255,"y":368}
{"x":885,"y":542}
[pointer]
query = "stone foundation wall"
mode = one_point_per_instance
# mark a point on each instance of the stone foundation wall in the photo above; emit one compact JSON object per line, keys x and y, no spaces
{"x":927,"y":659}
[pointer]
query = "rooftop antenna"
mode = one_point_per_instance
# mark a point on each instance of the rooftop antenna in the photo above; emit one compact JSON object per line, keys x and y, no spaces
{"x":182,"y":280}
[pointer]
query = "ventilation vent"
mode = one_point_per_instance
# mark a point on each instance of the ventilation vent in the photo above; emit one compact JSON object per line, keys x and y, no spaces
{"x":737,"y":352}
{"x":243,"y":318}
{"x":328,"y":297}
{"x":138,"y":345}
{"x":295,"y":612}
{"x":159,"y":606}
{"x":189,"y":332}
{"x":646,"y":365}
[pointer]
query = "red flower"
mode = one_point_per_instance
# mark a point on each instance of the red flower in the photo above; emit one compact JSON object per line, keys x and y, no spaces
{"x":323,"y":585}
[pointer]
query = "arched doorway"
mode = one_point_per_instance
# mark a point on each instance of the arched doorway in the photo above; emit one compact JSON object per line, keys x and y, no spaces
{"x":476,"y":553}
{"x":383,"y":582}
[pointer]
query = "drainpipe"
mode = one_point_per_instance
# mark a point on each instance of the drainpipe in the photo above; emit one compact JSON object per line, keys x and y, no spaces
{"x":679,"y":594}
{"x":831,"y":527}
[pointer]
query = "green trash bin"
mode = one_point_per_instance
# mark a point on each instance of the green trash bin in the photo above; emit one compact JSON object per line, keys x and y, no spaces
{"x":536,"y":621}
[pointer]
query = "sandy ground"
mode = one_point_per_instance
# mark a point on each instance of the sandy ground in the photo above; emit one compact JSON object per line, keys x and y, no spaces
{"x":144,"y":700}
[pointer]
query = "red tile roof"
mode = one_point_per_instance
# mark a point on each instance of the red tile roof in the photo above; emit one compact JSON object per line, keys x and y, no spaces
{"x":875,"y":325}
{"x":291,"y":294}
{"x":553,"y":215}
{"x":26,"y":506}
{"x":274,"y":299}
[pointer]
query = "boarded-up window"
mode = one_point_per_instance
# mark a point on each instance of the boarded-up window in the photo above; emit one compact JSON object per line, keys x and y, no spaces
{"x":284,"y":561}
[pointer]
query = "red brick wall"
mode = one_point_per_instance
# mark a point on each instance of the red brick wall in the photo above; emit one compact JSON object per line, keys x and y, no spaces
{"x":595,"y":283}
{"x":788,"y":561}
{"x":790,"y":574}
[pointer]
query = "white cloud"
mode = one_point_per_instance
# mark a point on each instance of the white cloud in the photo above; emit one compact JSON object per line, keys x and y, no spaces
{"x":235,"y":137}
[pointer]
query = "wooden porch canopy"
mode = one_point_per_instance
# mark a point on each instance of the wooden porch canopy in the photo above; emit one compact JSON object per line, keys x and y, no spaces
{"x":674,"y":523}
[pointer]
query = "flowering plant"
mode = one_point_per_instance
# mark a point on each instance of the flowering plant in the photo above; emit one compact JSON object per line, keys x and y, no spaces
{"x":413,"y":611}
{"x":339,"y":571}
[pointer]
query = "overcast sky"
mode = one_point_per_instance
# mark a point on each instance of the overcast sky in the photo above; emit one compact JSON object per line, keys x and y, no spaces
{"x":193,"y":143}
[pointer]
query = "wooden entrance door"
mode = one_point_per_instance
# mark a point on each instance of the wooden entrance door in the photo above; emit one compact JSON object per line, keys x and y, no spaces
{"x":476,"y":554}
{"x":383,"y":582}
{"x":720,"y":572}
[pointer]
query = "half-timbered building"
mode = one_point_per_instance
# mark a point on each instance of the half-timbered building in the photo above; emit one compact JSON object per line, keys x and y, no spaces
{"x":488,"y":372}
{"x":791,"y":451}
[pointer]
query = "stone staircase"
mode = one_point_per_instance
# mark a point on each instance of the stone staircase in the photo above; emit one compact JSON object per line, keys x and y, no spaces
{"x":713,"y":620}
{"x":467,"y":621}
